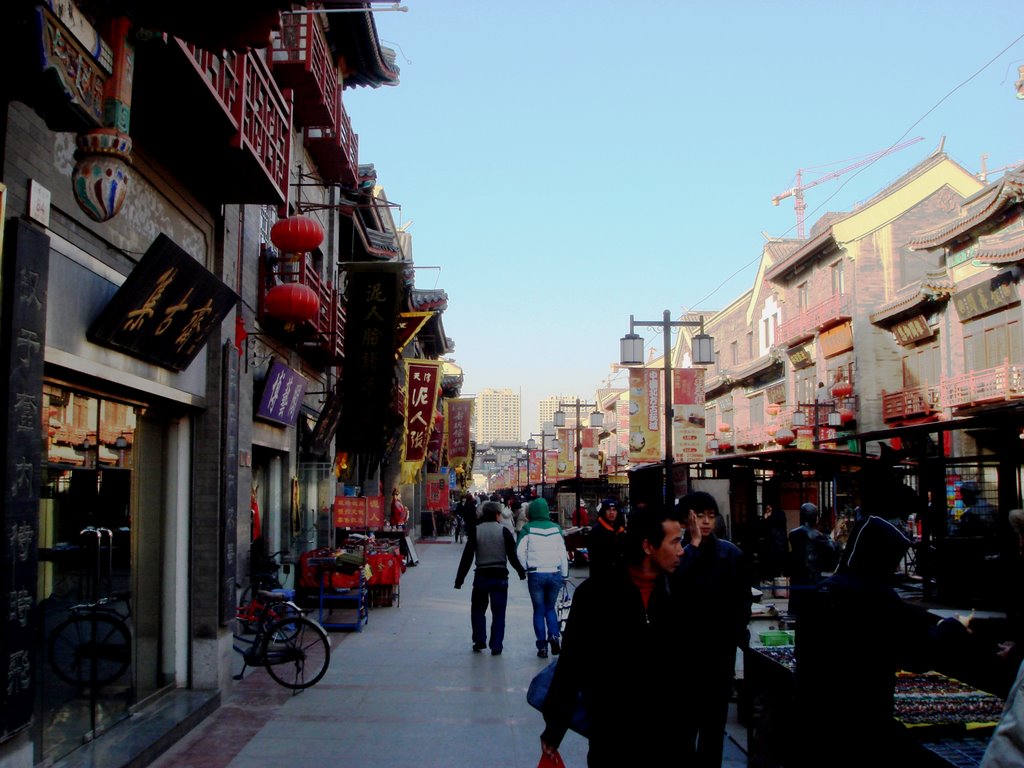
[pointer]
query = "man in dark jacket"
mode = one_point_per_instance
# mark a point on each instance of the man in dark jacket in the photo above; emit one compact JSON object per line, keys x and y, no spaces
{"x":629,"y":609}
{"x":493,"y":547}
{"x":713,"y":592}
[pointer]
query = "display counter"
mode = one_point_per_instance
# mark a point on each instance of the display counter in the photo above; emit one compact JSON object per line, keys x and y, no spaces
{"x":945,"y":720}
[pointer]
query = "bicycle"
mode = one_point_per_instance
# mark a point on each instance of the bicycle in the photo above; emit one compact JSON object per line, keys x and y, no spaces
{"x":93,"y":646}
{"x":264,"y":576}
{"x":294,"y":648}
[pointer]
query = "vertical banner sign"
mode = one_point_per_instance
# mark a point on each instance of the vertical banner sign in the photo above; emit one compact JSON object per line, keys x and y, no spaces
{"x":550,"y":465}
{"x":372,"y":296}
{"x":436,"y":488}
{"x":25,"y":277}
{"x":524,"y":476}
{"x":460,"y":415}
{"x":423,"y":380}
{"x":644,"y":415}
{"x":621,"y":435}
{"x":689,"y":435}
{"x":229,"y":482}
{"x":590,"y":464}
{"x":536,"y":457}
{"x":565,"y":466}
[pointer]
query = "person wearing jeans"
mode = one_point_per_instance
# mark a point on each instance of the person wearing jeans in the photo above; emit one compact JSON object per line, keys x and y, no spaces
{"x":493,"y":547}
{"x":541,"y":549}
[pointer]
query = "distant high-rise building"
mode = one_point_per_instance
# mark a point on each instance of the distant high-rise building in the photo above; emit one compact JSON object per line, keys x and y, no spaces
{"x":546,"y":409}
{"x":497,"y":415}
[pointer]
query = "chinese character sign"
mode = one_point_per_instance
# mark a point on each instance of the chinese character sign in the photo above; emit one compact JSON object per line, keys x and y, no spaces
{"x":460,"y":415}
{"x":422,"y":383}
{"x":535,"y":466}
{"x":283,"y":392}
{"x":644,"y":415}
{"x":590,"y":464}
{"x":166,"y":309}
{"x":689,"y":434}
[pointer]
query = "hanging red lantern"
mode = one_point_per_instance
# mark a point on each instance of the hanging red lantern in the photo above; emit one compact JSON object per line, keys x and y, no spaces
{"x":772,"y":409}
{"x":297,"y":234}
{"x":846,"y":415}
{"x":293,"y":303}
{"x":842,"y":389}
{"x":724,"y":445}
{"x":771,"y":429}
{"x":725,"y":427}
{"x":784,"y":436}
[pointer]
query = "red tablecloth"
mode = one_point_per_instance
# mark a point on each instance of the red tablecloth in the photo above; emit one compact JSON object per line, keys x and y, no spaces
{"x":387,"y":568}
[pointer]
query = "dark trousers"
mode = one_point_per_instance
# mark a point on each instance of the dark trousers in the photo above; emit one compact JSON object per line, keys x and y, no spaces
{"x":486,"y":591}
{"x":703,"y":727}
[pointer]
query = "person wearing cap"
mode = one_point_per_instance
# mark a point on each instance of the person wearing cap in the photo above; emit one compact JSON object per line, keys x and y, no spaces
{"x":811,"y":553}
{"x":493,"y":547}
{"x":603,"y":539}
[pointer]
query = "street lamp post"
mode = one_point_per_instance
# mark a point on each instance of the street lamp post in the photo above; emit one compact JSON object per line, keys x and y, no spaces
{"x":531,"y":444}
{"x":596,"y":420}
{"x":631,"y":348}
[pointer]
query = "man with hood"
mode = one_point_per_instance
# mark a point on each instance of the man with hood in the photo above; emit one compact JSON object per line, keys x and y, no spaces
{"x":494,"y":548}
{"x":852,"y":635}
{"x":603,"y":539}
{"x":541,"y":549}
{"x":713,"y":592}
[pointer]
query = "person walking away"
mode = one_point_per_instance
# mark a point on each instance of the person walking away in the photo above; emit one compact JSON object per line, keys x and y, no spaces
{"x":541,"y":549}
{"x":603,"y":540}
{"x":493,"y":548}
{"x":713,"y":594}
{"x":630,"y":612}
{"x":810,"y":554}
{"x":833,"y":687}
{"x":773,"y":542}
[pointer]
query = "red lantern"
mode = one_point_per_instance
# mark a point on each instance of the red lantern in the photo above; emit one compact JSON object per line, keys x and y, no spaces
{"x":842,"y":389}
{"x":846,"y":415}
{"x":293,"y":303}
{"x":773,"y":409}
{"x":784,"y":436}
{"x":725,"y":427}
{"x":771,"y":429}
{"x":724,"y":445}
{"x":297,"y":234}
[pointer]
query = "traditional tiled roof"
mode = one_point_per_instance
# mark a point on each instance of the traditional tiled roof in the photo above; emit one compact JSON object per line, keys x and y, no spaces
{"x":976,"y":211}
{"x":1005,"y":247}
{"x":353,"y":39}
{"x":423,"y":300}
{"x":934,"y":287}
{"x":800,"y":254}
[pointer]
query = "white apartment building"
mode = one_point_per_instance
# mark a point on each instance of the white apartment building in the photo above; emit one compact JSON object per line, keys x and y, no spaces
{"x":497,"y":415}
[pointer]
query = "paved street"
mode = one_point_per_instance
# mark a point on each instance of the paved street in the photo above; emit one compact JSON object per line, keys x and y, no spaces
{"x":406,"y":691}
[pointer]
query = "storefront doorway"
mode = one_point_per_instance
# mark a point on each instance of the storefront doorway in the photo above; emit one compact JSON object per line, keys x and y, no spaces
{"x":100,"y":566}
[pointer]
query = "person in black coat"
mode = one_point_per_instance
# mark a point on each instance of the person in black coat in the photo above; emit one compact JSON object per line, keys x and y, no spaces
{"x":811,"y":553}
{"x":603,"y":539}
{"x":713,"y":594}
{"x":772,"y":541}
{"x":627,"y":611}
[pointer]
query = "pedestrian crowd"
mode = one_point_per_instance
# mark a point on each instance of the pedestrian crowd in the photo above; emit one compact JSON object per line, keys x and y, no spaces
{"x":666,"y":606}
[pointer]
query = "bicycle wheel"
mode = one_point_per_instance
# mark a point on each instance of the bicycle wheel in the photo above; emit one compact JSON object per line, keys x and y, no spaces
{"x":297,"y":652}
{"x":94,"y":649}
{"x":563,"y":603}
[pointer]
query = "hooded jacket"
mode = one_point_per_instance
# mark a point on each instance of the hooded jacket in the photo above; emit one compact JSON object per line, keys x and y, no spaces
{"x":541,"y":547}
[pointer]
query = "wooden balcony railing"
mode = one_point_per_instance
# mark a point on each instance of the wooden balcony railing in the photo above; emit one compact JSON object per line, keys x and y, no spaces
{"x":833,"y":309}
{"x":335,"y":148}
{"x":320,"y":340}
{"x":260,"y":117}
{"x":1004,"y":382}
{"x":300,"y":60}
{"x":912,"y":401}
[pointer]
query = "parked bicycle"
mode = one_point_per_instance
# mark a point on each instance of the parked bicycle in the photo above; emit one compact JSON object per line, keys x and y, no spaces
{"x":93,"y":646}
{"x":264,"y":573}
{"x":294,"y":648}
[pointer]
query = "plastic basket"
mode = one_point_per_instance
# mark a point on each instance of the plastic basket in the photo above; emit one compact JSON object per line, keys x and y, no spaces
{"x":778,"y":637}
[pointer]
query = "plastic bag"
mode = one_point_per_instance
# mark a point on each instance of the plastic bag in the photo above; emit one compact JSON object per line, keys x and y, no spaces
{"x":553,"y":761}
{"x":538,"y":692}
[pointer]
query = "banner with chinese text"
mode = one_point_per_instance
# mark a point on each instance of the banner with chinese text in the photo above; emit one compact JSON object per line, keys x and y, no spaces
{"x":460,"y":416}
{"x":422,"y":383}
{"x":645,"y":409}
{"x":535,"y":466}
{"x":437,"y":494}
{"x":689,"y":434}
{"x":359,"y":512}
{"x":565,"y":466}
{"x":590,"y":463}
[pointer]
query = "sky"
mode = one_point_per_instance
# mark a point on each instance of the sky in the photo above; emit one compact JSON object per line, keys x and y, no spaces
{"x":564,"y":164}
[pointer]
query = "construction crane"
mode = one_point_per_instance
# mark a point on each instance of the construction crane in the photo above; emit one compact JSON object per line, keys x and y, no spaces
{"x":797,"y":190}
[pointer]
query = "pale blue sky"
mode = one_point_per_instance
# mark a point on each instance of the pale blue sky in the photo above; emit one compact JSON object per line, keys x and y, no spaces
{"x":567,"y":163}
